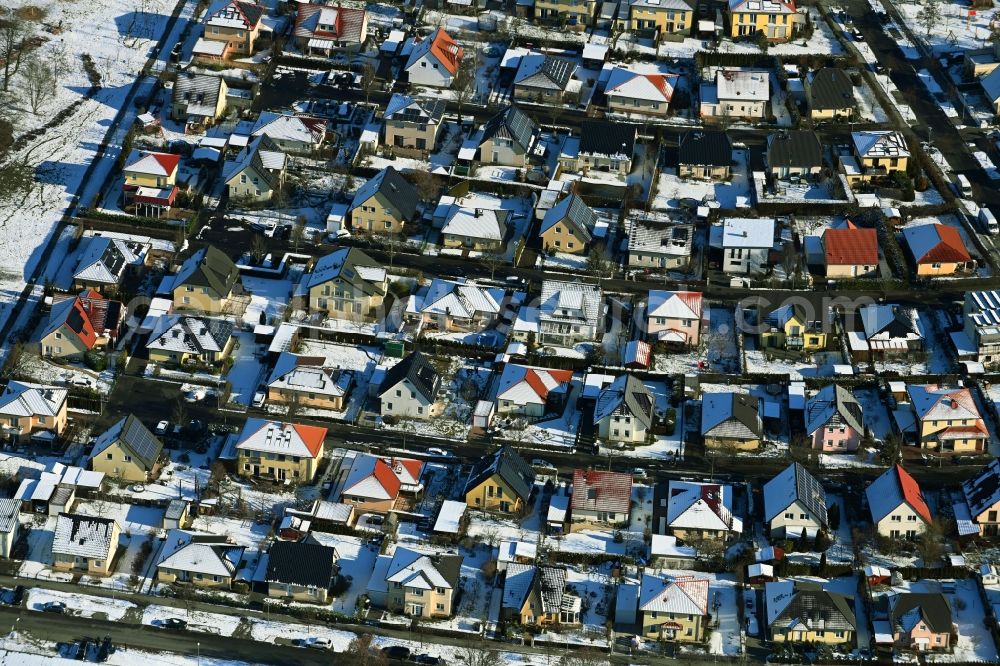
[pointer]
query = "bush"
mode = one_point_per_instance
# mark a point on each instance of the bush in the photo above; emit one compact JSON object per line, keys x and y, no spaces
{"x":96,"y":360}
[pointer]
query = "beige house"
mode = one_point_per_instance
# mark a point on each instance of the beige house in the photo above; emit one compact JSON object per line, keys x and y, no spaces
{"x":601,"y":499}
{"x":700,"y":511}
{"x":28,"y":410}
{"x":182,"y":340}
{"x":257,"y":173}
{"x":631,"y":92}
{"x":307,"y":381}
{"x":347,"y":284}
{"x":412,"y":125}
{"x":731,"y":421}
{"x":705,"y":154}
{"x":982,"y":495}
{"x":507,"y":138}
{"x":300,"y":571}
{"x":127,"y":451}
{"x":537,"y":596}
{"x":568,"y":226}
{"x":804,"y":613}
{"x":199,"y":100}
{"x":85,"y":544}
{"x":198,"y":559}
{"x":385,"y":204}
{"x":673,"y":608}
{"x":674,"y":317}
{"x":794,"y":504}
{"x":422,"y":585}
{"x":625,"y":411}
{"x":660,"y":17}
{"x":573,"y":14}
{"x":380,"y":484}
{"x":500,"y":482}
{"x":410,"y":389}
{"x":279,"y":452}
{"x":205,"y":282}
{"x":231,"y":30}
{"x":476,"y":229}
{"x":897,"y":505}
{"x":877,"y":154}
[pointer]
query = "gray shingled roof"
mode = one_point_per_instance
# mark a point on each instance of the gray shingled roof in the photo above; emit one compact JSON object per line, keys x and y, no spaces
{"x":932,"y":606}
{"x":791,"y":484}
{"x":573,"y":211}
{"x":817,"y":608}
{"x":511,"y":123}
{"x":831,"y":88}
{"x":397,"y":190}
{"x":794,"y":148}
{"x":509,"y":466}
{"x":134,"y":438}
{"x":703,"y":147}
{"x":208,"y":267}
{"x":420,"y":373}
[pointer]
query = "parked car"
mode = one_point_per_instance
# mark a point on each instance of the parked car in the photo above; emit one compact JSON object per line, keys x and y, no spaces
{"x":162,"y":427}
{"x":426,"y":659}
{"x":174,"y":623}
{"x":18,"y":597}
{"x":53,"y":607}
{"x":398,"y":652}
{"x":438,"y":452}
{"x":258,"y":399}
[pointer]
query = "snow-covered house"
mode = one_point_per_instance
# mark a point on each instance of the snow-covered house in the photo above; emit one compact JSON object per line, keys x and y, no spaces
{"x":633,"y":92}
{"x":150,"y":186}
{"x":296,"y":134}
{"x":79,"y":324}
{"x":887,"y":331}
{"x":531,"y":392}
{"x":674,"y":317}
{"x":325,"y":30}
{"x":545,"y":79}
{"x":200,"y":559}
{"x":698,"y":511}
{"x":507,"y":138}
{"x":947,"y":419}
{"x":570,"y":313}
{"x":105,"y":263}
{"x":794,"y":504}
{"x":458,"y":305}
{"x":434,"y":60}
{"x":877,"y":154}
{"x":127,"y":451}
{"x":84,"y":543}
{"x":415,"y":583}
{"x":278,"y":451}
{"x":199,"y":100}
{"x":731,"y":420}
{"x":385,"y":204}
{"x":805,"y":614}
{"x":745,"y":243}
{"x":181,"y":340}
{"x":257,"y":173}
{"x":376,"y":483}
{"x":410,"y":389}
{"x":659,"y":246}
{"x":921,"y":621}
{"x":981,"y":316}
{"x":625,"y":411}
{"x":412,"y":125}
{"x":31,"y":411}
{"x":475,"y":228}
{"x":520,"y":552}
{"x":537,"y":596}
{"x":10,"y":525}
{"x":982,"y":495}
{"x":600,"y":498}
{"x":231,"y":29}
{"x":568,"y":226}
{"x":672,"y":607}
{"x":737,"y":94}
{"x":834,"y":420}
{"x":309,"y":382}
{"x":897,"y":505}
{"x":347,"y":284}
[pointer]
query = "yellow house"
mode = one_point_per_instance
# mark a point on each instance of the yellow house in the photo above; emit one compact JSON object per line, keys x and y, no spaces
{"x":790,"y":329}
{"x":205,"y":282}
{"x":85,"y":543}
{"x":574,"y":14}
{"x":231,"y":30}
{"x":198,"y":99}
{"x":877,"y":154}
{"x":347,"y":284}
{"x":501,"y":482}
{"x":536,"y":596}
{"x":184,"y":340}
{"x":385,"y":204}
{"x":157,"y":170}
{"x":127,"y":451}
{"x":300,"y":571}
{"x":805,"y":613}
{"x":731,"y":421}
{"x":303,"y":381}
{"x":775,"y":20}
{"x":666,"y":17}
{"x":280,"y":452}
{"x":567,"y":226}
{"x":199,"y":559}
{"x":982,"y":494}
{"x":29,"y":409}
{"x":422,"y":585}
{"x":673,"y":608}
{"x":937,"y":249}
{"x":948,"y":419}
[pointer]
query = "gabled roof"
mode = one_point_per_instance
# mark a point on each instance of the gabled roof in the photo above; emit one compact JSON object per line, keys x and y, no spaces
{"x":907,"y":608}
{"x":234,"y":14}
{"x":851,"y":246}
{"x":394,"y":188}
{"x":438,"y":46}
{"x":674,"y":304}
{"x":684,"y":595}
{"x":798,"y":604}
{"x":480,"y":223}
{"x":570,"y":301}
{"x":84,"y":536}
{"x":411,"y":568}
{"x":936,"y":243}
{"x":880,"y":144}
{"x":277,"y":437}
{"x":308,"y":374}
{"x":263,"y":157}
{"x":598,"y":490}
{"x":153,"y":164}
{"x":521,"y":384}
{"x":791,"y":484}
{"x":207,"y":554}
{"x":730,"y":415}
{"x":24,"y":399}
{"x":353,"y":267}
{"x":417,"y":110}
{"x":833,"y":402}
{"x":134,"y":438}
{"x":704,"y":506}
{"x":933,"y":402}
{"x":546,"y":582}
{"x":895,"y":487}
{"x":831,"y":88}
{"x":300,"y":563}
{"x":762,"y":6}
{"x":794,"y":148}
{"x":600,"y":137}
{"x":703,"y":147}
{"x":633,"y":85}
{"x":417,"y":370}
{"x":572,"y":211}
{"x":334,"y":24}
{"x":539,"y":70}
{"x":463,"y":300}
{"x":288,"y":127}
{"x":380,"y":478}
{"x":509,"y":466}
{"x":890,"y":321}
{"x":983,"y":490}
{"x":991,"y":85}
{"x":71,"y":315}
{"x":208,"y":267}
{"x":511,"y":123}
{"x":192,"y":335}
{"x":626,"y":395}
{"x":105,"y":259}
{"x":669,"y":239}
{"x":201,"y":92}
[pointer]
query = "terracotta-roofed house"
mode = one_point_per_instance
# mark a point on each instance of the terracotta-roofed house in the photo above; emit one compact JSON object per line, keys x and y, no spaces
{"x":937,"y":249}
{"x":897,"y":505}
{"x":948,"y":419}
{"x":673,"y":608}
{"x":434,"y":60}
{"x":600,"y":498}
{"x":632,"y":92}
{"x":150,"y":186}
{"x":850,"y":252}
{"x":326,"y":30}
{"x":697,"y":511}
{"x":280,"y":452}
{"x":376,"y":483}
{"x":531,"y":392}
{"x":674,"y":317}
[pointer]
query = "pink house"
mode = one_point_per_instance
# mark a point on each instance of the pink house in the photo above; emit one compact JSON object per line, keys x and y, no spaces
{"x":920,"y":621}
{"x":833,"y":420}
{"x":674,"y":317}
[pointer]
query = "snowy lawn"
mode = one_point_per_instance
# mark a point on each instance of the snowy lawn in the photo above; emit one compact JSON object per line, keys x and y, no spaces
{"x":210,"y":623}
{"x":80,"y":605}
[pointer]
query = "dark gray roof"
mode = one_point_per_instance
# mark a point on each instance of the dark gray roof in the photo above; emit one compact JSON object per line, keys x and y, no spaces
{"x":794,"y":148}
{"x":209,"y":267}
{"x":134,"y":438}
{"x":573,"y":211}
{"x":552,"y":73}
{"x":983,"y":490}
{"x":804,"y":488}
{"x":200,"y":89}
{"x":932,"y":606}
{"x":730,"y":415}
{"x":702,"y":147}
{"x":817,"y":608}
{"x":598,"y":137}
{"x":831,"y":88}
{"x":300,"y":563}
{"x":344,"y":264}
{"x":397,"y":190}
{"x":450,"y":567}
{"x":511,"y":123}
{"x":509,"y":466}
{"x":420,"y":373}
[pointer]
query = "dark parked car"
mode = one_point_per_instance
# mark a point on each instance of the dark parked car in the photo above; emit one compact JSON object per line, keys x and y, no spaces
{"x":426,"y":659}
{"x":18,"y":597}
{"x":400,"y":652}
{"x":53,"y":607}
{"x":174,"y":623}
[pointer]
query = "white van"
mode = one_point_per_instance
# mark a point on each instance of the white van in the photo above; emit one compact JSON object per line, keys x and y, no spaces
{"x":963,"y":185}
{"x":989,"y":221}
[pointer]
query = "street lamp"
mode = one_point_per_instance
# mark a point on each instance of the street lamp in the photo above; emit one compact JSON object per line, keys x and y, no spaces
{"x":199,"y":653}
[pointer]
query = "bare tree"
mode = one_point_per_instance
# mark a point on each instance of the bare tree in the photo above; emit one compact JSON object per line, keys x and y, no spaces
{"x":427,"y":185}
{"x":463,"y":86}
{"x":477,"y":655}
{"x":13,"y":32}
{"x":367,"y":79}
{"x":39,"y":83}
{"x":258,"y":248}
{"x":494,"y":258}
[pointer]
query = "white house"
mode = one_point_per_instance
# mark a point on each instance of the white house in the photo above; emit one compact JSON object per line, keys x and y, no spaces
{"x":745,"y":244}
{"x":736,"y":93}
{"x":531,"y":391}
{"x":794,"y":503}
{"x":569,"y":313}
{"x":700,"y":511}
{"x":897,"y":505}
{"x":410,"y":389}
{"x":624,"y":411}
{"x":434,"y":60}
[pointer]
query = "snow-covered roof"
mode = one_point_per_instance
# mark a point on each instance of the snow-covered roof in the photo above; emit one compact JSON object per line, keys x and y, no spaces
{"x":833,"y":402}
{"x":674,"y":304}
{"x":276,"y":437}
{"x":983,"y":490}
{"x":702,"y":506}
{"x":414,"y":569}
{"x":104,"y":260}
{"x":633,"y":85}
{"x":202,"y":553}
{"x":732,"y":415}
{"x":626,"y":396}
{"x":192,"y":335}
{"x":743,"y":85}
{"x":450,"y":516}
{"x":381,"y":478}
{"x":933,"y":402}
{"x":570,"y":301}
{"x":794,"y":483}
{"x":308,"y":374}
{"x":84,"y":536}
{"x":510,"y":551}
{"x":521,"y":384}
{"x":286,"y":127}
{"x":463,"y":300}
{"x":20,"y":399}
{"x":480,"y":223}
{"x":517,"y":584}
{"x":665,"y":545}
{"x":880,"y":143}
{"x":684,"y":595}
{"x":893,"y":488}
{"x":745,"y":232}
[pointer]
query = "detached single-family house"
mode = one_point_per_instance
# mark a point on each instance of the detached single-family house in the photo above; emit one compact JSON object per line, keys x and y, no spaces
{"x":830,"y":93}
{"x":659,"y":246}
{"x":307,"y":381}
{"x":231,"y":29}
{"x":410,"y":388}
{"x":385,"y":204}
{"x":500,"y":482}
{"x":257,"y":173}
{"x":947,"y":419}
{"x":434,"y":60}
{"x":105,"y":263}
{"x":199,"y":100}
{"x":794,"y":504}
{"x":887,"y":331}
{"x":422,"y":585}
{"x":625,"y":411}
{"x":453,"y":305}
{"x":794,"y":154}
{"x":648,"y":94}
{"x":412,"y":125}
{"x":205,"y":282}
{"x":199,"y":559}
{"x":347,"y":284}
{"x":981,"y":315}
{"x":531,"y":392}
{"x":937,"y":249}
{"x":296,"y":134}
{"x":982,"y":495}
{"x":182,"y":340}
{"x":897,"y":505}
{"x":279,"y":452}
{"x":673,"y":608}
{"x":850,"y":252}
{"x":568,"y":226}
{"x":674,"y":317}
{"x":654,"y":18}
{"x":921,"y":621}
{"x":30,"y":411}
{"x":79,"y":324}
{"x":150,"y":186}
{"x":805,"y":614}
{"x":85,"y":543}
{"x":737,"y":94}
{"x":570,"y":313}
{"x":574,"y":15}
{"x":127,"y":451}
{"x":746,"y":244}
{"x":326,"y":30}
{"x":300,"y":571}
{"x":731,"y":420}
{"x":604,"y":147}
{"x":697,"y":511}
{"x":600,"y":498}
{"x":475,"y":228}
{"x":705,"y":154}
{"x":991,"y":88}
{"x":834,"y":421}
{"x":507,"y":138}
{"x":789,"y":327}
{"x":877,"y":154}
{"x":537,"y":596}
{"x":776,"y":20}
{"x":545,"y":79}
{"x":376,"y":483}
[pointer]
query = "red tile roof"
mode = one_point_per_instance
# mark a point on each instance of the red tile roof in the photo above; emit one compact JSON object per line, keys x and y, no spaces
{"x":851,"y":247}
{"x":446,"y":50}
{"x":661,"y":83}
{"x":912,"y":494}
{"x":78,"y":321}
{"x":950,"y":247}
{"x":538,"y":385}
{"x":412,"y":466}
{"x":312,"y":437}
{"x":595,"y":490}
{"x":168,"y":161}
{"x":386,"y":477}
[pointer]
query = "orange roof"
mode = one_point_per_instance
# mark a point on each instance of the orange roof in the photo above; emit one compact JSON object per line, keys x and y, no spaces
{"x":386,"y":477}
{"x":168,"y":161}
{"x":912,"y":494}
{"x":851,"y":247}
{"x":950,"y":247}
{"x":312,"y":437}
{"x":660,"y":81}
{"x":78,"y":321}
{"x":446,"y":50}
{"x":412,"y":466}
{"x":538,"y":385}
